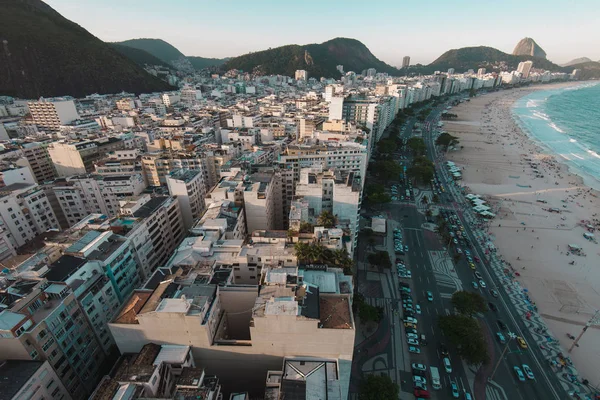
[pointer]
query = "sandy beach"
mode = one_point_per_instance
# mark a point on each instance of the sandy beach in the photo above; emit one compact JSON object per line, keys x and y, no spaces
{"x":522,"y":181}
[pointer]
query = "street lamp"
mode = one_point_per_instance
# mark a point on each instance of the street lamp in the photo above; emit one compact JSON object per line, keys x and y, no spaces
{"x":511,"y":336}
{"x":595,"y":320}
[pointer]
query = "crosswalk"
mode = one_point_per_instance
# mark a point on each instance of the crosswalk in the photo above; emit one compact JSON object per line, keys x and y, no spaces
{"x":492,"y":393}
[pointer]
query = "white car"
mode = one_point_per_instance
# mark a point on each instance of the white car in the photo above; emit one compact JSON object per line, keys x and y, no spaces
{"x":418,"y":309}
{"x":482,"y":284}
{"x":411,"y":320}
{"x":447,"y":365}
{"x":419,"y":367}
{"x":413,"y":342}
{"x":412,"y":336}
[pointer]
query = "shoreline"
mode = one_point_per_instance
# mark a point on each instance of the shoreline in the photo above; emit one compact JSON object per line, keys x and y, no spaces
{"x":515,"y":172}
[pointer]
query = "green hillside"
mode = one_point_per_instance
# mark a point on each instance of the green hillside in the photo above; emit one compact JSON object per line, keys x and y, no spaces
{"x":157,"y":47}
{"x":140,"y":57}
{"x":202,"y":63}
{"x":44,"y":54}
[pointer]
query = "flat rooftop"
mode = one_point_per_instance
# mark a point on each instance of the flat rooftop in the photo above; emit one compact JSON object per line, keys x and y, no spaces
{"x":335,"y":312}
{"x":152,"y":205}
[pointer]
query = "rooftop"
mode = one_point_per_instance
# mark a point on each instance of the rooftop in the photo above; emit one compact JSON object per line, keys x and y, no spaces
{"x":335,"y":312}
{"x":150,"y":207}
{"x":14,"y":374}
{"x":64,"y":267}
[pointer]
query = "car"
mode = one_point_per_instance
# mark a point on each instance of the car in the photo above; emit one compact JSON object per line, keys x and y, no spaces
{"x":406,"y":289}
{"x":413,"y":342}
{"x":406,"y":248}
{"x":418,"y":367}
{"x":411,"y":320}
{"x":409,"y":325}
{"x":482,"y":283}
{"x":501,"y":324}
{"x":447,"y":365}
{"x":467,"y":252}
{"x":528,"y":372}
{"x":443,"y":350}
{"x":501,"y":337}
{"x":477,"y":275}
{"x":519,"y":373}
{"x":413,"y":349}
{"x":477,"y":259}
{"x":459,"y":250}
{"x":410,"y":330}
{"x":421,"y":394}
{"x":420,"y":382}
{"x":454,"y":388}
{"x":493,"y":307}
{"x":407,"y":275}
{"x":475,"y":285}
{"x":412,"y":335}
{"x":455,"y":241}
{"x":418,"y":309}
{"x":429,"y":296}
{"x":472,"y":266}
{"x":468,"y":396}
{"x":423,"y":340}
{"x":494,"y":292}
{"x":522,"y":342}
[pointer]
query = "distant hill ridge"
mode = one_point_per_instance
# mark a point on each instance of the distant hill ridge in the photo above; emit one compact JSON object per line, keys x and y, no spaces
{"x":317,"y":59}
{"x":45,"y":54}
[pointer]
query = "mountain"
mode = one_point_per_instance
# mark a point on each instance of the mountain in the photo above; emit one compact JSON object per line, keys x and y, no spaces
{"x":486,"y":57}
{"x":45,"y":54}
{"x":201,"y":62}
{"x":528,"y":47}
{"x":317,"y":59}
{"x":589,"y":70}
{"x":157,"y":47}
{"x":577,"y":61}
{"x":138,"y":56}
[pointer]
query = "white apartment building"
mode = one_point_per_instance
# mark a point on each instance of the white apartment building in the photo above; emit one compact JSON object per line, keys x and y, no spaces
{"x":190,"y":95}
{"x":524,"y":68}
{"x":125,"y":104}
{"x":39,"y":160}
{"x":73,"y":158}
{"x":336,"y":192}
{"x":170,"y":99}
{"x":32,"y":380}
{"x":50,"y":114}
{"x":26,"y":212}
{"x":188,"y":186}
{"x":79,"y":196}
{"x":301,"y":75}
{"x":157,"y":166}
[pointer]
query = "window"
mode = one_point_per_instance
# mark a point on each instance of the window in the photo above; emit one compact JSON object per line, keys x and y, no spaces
{"x":154,"y":380}
{"x":50,"y":384}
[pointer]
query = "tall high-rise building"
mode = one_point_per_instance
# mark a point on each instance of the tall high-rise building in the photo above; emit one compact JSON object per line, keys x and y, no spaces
{"x":524,"y":68}
{"x":51,"y":114}
{"x":188,"y":186}
{"x":480,"y":72}
{"x":405,"y":61}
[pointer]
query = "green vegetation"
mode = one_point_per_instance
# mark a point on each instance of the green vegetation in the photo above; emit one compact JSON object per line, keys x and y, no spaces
{"x":377,"y":387}
{"x":140,"y":57}
{"x":445,"y":139}
{"x":375,"y":194}
{"x":387,"y":146}
{"x":317,"y":59}
{"x":52,"y":56}
{"x":416,"y":145}
{"x":202,"y":63}
{"x":449,"y":116}
{"x":327,"y":220}
{"x":157,"y":47}
{"x":306,"y":227}
{"x":380,"y":259}
{"x":466,"y":335}
{"x":422,"y":169}
{"x":468,"y":303}
{"x":366,"y":312}
{"x":386,"y":169}
{"x":314,"y":253}
{"x":435,"y":199}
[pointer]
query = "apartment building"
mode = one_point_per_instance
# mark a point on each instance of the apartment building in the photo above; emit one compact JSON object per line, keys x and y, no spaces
{"x":337,"y":192}
{"x":39,"y":160}
{"x":126,"y":104}
{"x":33,"y":380}
{"x":243,"y":332}
{"x":223,"y":217}
{"x":79,"y":196}
{"x":159,"y":165}
{"x":341,"y":156}
{"x":74,"y":158}
{"x":25,"y":212}
{"x":44,"y":321}
{"x":189,"y":189}
{"x":50,"y":114}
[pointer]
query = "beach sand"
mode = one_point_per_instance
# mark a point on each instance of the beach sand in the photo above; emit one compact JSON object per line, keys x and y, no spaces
{"x":494,"y":153}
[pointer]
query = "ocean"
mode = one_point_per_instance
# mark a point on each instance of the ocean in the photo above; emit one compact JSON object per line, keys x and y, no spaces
{"x":567,"y":122}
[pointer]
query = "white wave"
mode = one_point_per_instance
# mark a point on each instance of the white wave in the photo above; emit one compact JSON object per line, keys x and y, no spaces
{"x":572,"y":140}
{"x":541,"y":115}
{"x":593,"y":153}
{"x":556,"y":128}
{"x":576,"y":156}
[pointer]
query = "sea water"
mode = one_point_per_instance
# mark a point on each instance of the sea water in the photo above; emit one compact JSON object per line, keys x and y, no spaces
{"x":567,"y":122}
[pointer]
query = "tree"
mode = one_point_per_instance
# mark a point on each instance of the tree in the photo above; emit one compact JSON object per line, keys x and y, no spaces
{"x":377,"y":387}
{"x":416,"y":145}
{"x":386,"y":169}
{"x":306,"y":227}
{"x":428,"y":213}
{"x":456,"y":258}
{"x":445,"y":139}
{"x":468,"y":303}
{"x":435,"y":198}
{"x":327,"y":219}
{"x":387,"y":146}
{"x":466,"y":335}
{"x":380,"y":258}
{"x":424,"y":199}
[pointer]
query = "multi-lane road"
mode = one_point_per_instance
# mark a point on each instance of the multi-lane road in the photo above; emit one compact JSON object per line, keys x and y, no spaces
{"x":434,"y":271}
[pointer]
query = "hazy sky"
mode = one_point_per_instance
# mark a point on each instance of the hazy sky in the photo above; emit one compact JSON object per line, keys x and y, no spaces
{"x":390,"y":29}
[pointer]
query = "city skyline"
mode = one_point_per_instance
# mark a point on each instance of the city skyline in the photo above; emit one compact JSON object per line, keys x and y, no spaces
{"x":269,"y":25}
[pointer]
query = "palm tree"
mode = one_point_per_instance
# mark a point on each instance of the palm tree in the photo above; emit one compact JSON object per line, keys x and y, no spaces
{"x":327,"y":219}
{"x":424,"y":199}
{"x":301,"y":249}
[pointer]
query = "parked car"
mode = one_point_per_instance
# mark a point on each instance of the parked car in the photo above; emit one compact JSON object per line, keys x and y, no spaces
{"x":475,"y":285}
{"x":429,"y":296}
{"x":493,"y":307}
{"x":482,"y":283}
{"x":519,"y":373}
{"x":419,"y":367}
{"x":413,"y":349}
{"x":501,"y":324}
{"x":477,"y":275}
{"x":501,"y":337}
{"x":413,"y":342}
{"x":494,"y":292}
{"x":528,"y":372}
{"x":522,"y":342}
{"x":447,"y":365}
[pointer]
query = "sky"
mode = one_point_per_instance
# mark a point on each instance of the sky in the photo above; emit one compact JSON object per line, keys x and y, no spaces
{"x":390,"y":29}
